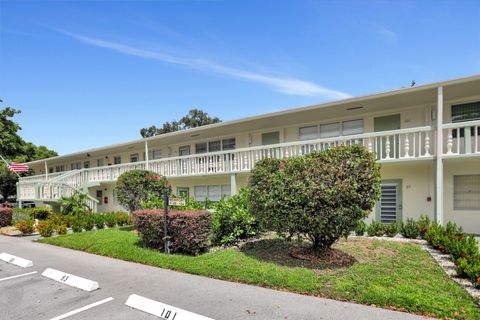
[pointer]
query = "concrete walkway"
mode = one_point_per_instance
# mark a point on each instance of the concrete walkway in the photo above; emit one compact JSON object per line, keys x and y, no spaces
{"x":36,"y":297}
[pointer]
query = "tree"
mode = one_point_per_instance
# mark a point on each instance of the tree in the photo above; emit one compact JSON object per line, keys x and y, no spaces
{"x":321,"y":196}
{"x":135,"y":186}
{"x":194,"y":118}
{"x":10,"y":142}
{"x":14,"y":148}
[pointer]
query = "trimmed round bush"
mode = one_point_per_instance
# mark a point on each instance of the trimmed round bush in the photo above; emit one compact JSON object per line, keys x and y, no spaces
{"x":188,"y":231}
{"x":320,"y":196}
{"x":6,"y":215}
{"x":135,"y":186}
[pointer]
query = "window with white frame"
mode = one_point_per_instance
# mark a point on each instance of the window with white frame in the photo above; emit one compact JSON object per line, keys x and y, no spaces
{"x":117,"y":160}
{"x":100,"y":162}
{"x":334,"y":129}
{"x":201,"y":147}
{"x":75,"y":165}
{"x":212,"y":192}
{"x":86,"y":164}
{"x":351,"y":127}
{"x":308,"y":133}
{"x":59,"y":168}
{"x":466,"y":112}
{"x":466,"y":192}
{"x":330,"y":130}
{"x":228,"y":144}
{"x":153,"y":154}
{"x":214,"y":146}
{"x":50,"y":170}
{"x":99,"y":196}
{"x":183,"y":150}
{"x":134,"y":157}
{"x":200,"y":193}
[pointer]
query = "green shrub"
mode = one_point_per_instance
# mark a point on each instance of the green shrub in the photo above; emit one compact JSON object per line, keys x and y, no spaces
{"x":462,"y":249}
{"x":76,"y":224}
{"x":45,"y":228}
{"x":40,"y":213}
{"x":25,"y":226}
{"x":6,"y":215}
{"x":391,"y":229}
{"x":19,"y":214}
{"x":156,"y":202}
{"x":61,"y":228}
{"x":59,"y":219}
{"x":409,"y":229}
{"x":320,"y":196}
{"x":135,"y":186}
{"x":360,"y":228}
{"x":436,"y":236}
{"x":423,"y":224}
{"x":88,"y":221}
{"x":470,"y":269}
{"x":376,"y":229}
{"x":110,"y":220}
{"x":99,"y":221}
{"x":122,"y":218}
{"x":232,"y":220}
{"x":188,"y":231}
{"x":461,"y":246}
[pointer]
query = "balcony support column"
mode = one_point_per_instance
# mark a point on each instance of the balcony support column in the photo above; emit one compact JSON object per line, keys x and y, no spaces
{"x":233,"y":184}
{"x":46,"y":171}
{"x":146,"y":155}
{"x":439,"y":160}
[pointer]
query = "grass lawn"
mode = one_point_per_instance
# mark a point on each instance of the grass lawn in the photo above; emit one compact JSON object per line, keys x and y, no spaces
{"x":381,"y":273}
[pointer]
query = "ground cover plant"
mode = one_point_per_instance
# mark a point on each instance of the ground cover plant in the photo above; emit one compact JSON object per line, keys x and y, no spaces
{"x":320,"y":196}
{"x":384,"y":273}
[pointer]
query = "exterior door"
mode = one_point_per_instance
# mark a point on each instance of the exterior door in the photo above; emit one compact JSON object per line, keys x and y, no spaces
{"x":389,"y":208}
{"x":271,"y":138}
{"x":387,"y":123}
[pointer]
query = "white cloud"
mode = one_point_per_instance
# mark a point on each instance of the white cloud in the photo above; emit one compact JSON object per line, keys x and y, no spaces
{"x":388,"y":35}
{"x":287,"y":85}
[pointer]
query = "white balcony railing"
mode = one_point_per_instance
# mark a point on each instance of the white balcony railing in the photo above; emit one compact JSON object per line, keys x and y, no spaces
{"x":461,"y":138}
{"x":49,"y":191}
{"x":388,"y":146}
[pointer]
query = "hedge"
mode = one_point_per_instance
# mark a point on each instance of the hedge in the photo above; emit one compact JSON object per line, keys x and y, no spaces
{"x":6,"y":216}
{"x":188,"y":231}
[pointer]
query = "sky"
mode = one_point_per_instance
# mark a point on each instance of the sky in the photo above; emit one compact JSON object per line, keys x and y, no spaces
{"x":91,"y":73}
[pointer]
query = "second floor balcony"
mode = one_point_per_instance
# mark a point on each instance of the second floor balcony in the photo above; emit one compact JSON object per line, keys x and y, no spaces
{"x":460,"y":139}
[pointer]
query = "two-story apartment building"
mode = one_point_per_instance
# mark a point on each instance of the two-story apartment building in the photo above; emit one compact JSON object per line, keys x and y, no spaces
{"x":427,"y":139}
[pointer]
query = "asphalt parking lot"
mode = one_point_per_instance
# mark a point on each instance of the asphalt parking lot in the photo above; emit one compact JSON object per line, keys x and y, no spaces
{"x":33,"y":296}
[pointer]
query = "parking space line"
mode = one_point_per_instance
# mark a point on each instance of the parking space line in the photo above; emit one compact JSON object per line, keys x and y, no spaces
{"x":21,"y":262}
{"x":18,"y":276}
{"x":71,"y":313}
{"x":161,"y":310}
